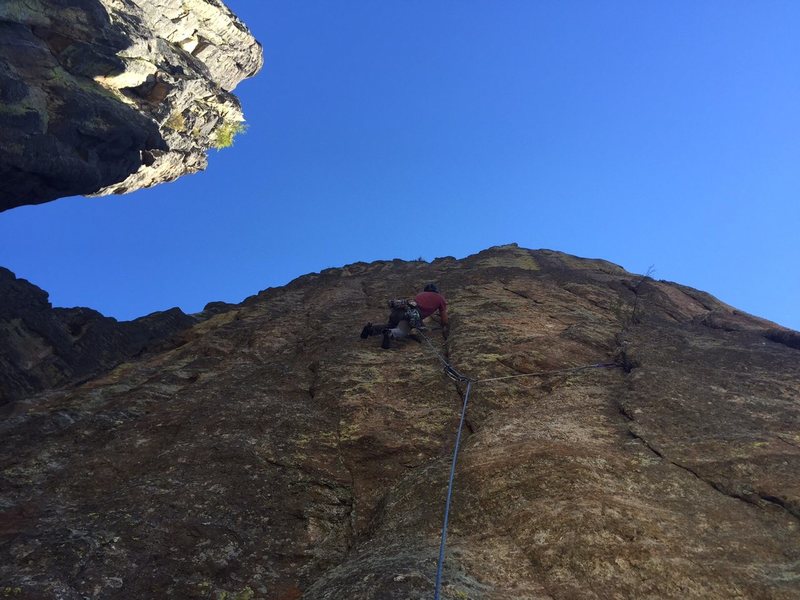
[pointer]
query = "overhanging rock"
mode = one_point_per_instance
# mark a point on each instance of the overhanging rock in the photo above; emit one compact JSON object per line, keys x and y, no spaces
{"x":109,"y":96}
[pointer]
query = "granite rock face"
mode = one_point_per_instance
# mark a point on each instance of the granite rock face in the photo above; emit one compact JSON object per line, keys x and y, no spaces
{"x":110,"y":96}
{"x":42,"y":347}
{"x":274,"y":454}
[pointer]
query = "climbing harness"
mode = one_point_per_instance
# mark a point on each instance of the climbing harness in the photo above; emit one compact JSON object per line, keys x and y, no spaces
{"x":412,"y":314}
{"x":458,"y":377}
{"x":413,"y":317}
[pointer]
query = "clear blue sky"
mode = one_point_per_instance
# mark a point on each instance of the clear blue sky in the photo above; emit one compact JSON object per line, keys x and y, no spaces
{"x":647,"y":133}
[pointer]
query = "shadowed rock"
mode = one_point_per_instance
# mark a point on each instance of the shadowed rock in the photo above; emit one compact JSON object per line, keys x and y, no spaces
{"x":42,"y":347}
{"x":275,"y":454}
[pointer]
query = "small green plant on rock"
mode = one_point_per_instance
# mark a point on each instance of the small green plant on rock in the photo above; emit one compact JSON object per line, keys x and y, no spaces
{"x":226,"y":133}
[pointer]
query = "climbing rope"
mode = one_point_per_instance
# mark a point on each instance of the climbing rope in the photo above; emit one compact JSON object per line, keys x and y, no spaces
{"x":443,"y":544}
{"x":449,"y":369}
{"x":456,"y":376}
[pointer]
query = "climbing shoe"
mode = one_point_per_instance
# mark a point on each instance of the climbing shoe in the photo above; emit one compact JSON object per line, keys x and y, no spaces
{"x":387,"y":339}
{"x":366,"y":331}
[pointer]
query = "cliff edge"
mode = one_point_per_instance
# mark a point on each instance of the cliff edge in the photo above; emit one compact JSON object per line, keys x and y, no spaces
{"x":42,"y":347}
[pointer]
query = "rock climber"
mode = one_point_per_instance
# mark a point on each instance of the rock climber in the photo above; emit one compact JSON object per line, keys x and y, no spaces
{"x":407,"y":314}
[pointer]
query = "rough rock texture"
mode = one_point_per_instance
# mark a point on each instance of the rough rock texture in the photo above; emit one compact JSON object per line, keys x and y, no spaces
{"x":110,"y":96}
{"x":276,"y":455}
{"x":42,"y":347}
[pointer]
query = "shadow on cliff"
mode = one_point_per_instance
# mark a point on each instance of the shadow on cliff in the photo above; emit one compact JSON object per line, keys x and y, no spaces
{"x":61,"y":132}
{"x":42,"y":347}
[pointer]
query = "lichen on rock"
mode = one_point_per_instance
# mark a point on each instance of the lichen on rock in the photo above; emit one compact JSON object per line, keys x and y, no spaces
{"x":273,"y":453}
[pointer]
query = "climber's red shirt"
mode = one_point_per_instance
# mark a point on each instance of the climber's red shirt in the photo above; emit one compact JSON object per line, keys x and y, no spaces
{"x":429,"y":302}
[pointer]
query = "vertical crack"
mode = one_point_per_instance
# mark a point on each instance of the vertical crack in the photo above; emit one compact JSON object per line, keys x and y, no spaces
{"x":314,"y":367}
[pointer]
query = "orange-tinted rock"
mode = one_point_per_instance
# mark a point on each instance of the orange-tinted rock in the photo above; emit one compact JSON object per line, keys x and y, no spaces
{"x":275,"y":454}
